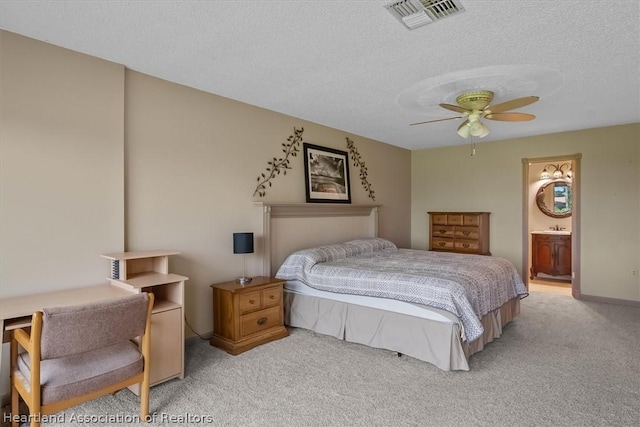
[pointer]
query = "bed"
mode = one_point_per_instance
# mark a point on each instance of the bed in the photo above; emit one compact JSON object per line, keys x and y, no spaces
{"x":387,"y":304}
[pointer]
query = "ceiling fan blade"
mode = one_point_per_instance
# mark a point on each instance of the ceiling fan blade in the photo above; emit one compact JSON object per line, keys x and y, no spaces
{"x":437,"y":120}
{"x":514,"y":103}
{"x":455,"y":108}
{"x":510,"y":117}
{"x":463,"y":124}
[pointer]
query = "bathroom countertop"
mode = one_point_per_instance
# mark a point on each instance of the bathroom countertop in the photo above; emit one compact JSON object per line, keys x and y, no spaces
{"x":560,"y":232}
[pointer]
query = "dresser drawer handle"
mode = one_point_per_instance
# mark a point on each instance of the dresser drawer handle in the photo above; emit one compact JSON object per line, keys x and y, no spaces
{"x":262,"y":321}
{"x":442,"y":231}
{"x":272,"y":297}
{"x":442,"y":243}
{"x":252,"y":301}
{"x":465,"y":245}
{"x":466,"y":233}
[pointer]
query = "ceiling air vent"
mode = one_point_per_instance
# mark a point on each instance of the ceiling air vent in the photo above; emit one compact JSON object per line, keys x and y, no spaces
{"x":416,"y":13}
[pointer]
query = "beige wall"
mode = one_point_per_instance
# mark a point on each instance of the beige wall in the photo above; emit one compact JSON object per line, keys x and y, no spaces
{"x":192,"y":160}
{"x":97,"y":159}
{"x":450,"y":179}
{"x":61,"y":166}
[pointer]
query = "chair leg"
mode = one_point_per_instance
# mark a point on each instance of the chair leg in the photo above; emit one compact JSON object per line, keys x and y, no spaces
{"x":34,"y":410}
{"x":15,"y":406}
{"x":144,"y":401}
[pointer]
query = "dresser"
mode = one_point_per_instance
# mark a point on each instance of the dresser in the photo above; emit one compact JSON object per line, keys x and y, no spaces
{"x":462,"y":232}
{"x":550,"y":254}
{"x":247,"y":315}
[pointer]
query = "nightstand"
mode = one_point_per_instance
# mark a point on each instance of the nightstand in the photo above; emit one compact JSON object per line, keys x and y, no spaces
{"x":246,"y":316}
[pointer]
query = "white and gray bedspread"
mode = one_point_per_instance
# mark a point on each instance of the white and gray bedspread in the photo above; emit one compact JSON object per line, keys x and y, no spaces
{"x":468,"y":286}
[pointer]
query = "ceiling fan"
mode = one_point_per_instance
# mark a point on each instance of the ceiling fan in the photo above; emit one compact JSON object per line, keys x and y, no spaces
{"x":475,"y":106}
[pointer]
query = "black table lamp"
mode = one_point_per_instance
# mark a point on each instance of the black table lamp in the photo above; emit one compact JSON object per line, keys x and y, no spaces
{"x":243,"y":244}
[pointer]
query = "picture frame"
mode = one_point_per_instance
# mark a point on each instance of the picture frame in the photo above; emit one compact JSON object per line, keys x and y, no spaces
{"x":326,"y":172}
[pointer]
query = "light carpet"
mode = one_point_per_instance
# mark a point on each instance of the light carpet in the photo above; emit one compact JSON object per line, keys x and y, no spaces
{"x":562,"y":362}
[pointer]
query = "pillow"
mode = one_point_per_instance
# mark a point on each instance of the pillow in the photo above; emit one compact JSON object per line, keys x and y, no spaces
{"x":367,"y":246}
{"x":301,"y":262}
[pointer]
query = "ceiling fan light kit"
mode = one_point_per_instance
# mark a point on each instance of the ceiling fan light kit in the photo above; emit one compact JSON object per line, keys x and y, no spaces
{"x":478,"y":129}
{"x":476,"y":105}
{"x":473,"y":128}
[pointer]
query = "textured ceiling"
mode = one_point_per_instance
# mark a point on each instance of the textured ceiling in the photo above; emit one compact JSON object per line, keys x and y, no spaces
{"x":345,"y":63}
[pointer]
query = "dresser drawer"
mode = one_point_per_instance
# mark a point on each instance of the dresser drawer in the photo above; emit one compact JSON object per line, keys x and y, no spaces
{"x":250,"y":302}
{"x":271,"y":297}
{"x":439,"y":219}
{"x":467,"y":245}
{"x":260,"y":320}
{"x":454,"y":219}
{"x":442,"y":231}
{"x":441,"y":243}
{"x":470,"y":233}
{"x":471,"y":220}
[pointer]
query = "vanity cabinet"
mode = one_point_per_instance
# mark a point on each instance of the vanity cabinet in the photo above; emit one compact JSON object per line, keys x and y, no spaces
{"x":462,"y":232}
{"x":550,"y":254}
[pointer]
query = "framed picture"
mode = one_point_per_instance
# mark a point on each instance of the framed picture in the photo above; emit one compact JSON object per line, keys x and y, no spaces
{"x":326,"y":174}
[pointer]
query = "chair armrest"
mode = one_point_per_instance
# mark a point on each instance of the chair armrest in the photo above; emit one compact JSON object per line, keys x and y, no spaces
{"x":22,"y":338}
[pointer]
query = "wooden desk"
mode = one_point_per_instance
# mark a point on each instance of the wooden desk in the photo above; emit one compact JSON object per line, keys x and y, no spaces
{"x":132,"y":273}
{"x":16,"y":312}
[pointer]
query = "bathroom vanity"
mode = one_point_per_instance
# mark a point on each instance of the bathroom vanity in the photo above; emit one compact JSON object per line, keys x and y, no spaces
{"x":551,"y":253}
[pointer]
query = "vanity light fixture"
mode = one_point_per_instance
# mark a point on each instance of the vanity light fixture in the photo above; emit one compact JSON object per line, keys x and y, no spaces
{"x":557,"y":171}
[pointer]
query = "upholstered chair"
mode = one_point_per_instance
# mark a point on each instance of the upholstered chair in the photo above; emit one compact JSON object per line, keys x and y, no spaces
{"x":78,"y":353}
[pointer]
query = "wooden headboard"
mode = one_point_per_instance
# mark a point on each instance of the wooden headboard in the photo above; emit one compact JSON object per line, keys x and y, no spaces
{"x":291,"y":227}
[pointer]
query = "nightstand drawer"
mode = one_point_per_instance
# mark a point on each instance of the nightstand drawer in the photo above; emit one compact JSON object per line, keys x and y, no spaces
{"x":249,"y":302}
{"x":271,"y":296}
{"x":259,"y":321}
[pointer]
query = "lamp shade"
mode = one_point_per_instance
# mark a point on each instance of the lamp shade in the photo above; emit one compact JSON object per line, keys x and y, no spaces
{"x":242,"y":243}
{"x":545,"y":174}
{"x":463,"y":131}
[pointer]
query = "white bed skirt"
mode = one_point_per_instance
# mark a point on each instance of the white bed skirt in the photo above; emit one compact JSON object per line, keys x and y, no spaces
{"x":439,"y":343}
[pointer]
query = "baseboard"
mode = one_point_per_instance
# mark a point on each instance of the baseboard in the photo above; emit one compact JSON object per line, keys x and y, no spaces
{"x":608,"y":300}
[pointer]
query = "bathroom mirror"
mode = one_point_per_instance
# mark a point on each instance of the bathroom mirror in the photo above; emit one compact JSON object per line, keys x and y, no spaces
{"x":554,"y":198}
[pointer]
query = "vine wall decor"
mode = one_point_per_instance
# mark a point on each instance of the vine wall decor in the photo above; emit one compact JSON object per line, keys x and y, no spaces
{"x":277,"y":165}
{"x":359,"y":163}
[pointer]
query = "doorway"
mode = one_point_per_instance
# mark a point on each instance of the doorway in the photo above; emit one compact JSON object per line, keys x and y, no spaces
{"x":551,"y":224}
